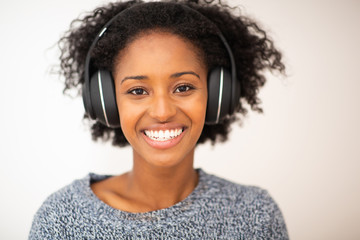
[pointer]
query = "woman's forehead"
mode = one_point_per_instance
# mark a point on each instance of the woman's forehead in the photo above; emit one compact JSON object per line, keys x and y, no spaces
{"x":159,"y":49}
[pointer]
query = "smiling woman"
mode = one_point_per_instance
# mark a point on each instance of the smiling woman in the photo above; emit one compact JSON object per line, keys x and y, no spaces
{"x":162,"y":77}
{"x":172,"y":98}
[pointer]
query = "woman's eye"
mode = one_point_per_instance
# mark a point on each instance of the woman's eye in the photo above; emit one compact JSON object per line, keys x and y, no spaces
{"x":138,"y":91}
{"x":183,"y":88}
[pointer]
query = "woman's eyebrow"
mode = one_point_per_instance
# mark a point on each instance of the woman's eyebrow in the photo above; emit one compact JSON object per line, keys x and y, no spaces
{"x":174,"y":75}
{"x":140,"y":77}
{"x":179,"y":74}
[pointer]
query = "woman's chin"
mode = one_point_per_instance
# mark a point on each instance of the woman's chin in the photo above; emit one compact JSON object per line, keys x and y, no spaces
{"x":165,"y":159}
{"x":164,"y":162}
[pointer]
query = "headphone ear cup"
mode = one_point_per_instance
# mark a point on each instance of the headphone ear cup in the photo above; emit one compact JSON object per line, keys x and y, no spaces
{"x":235,"y":95}
{"x":87,"y":101}
{"x":219,"y":95}
{"x":103,"y":98}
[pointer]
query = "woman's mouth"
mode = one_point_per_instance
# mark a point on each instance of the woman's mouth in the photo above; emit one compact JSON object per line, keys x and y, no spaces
{"x":165,"y":138}
{"x":163,"y":135}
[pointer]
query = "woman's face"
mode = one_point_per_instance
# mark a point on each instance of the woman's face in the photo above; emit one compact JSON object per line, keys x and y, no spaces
{"x":161,"y":93}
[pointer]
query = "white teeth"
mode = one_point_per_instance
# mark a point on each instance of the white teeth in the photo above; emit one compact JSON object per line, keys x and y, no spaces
{"x":163,"y":135}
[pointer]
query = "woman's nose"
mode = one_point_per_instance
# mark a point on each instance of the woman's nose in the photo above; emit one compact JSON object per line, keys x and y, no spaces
{"x":162,"y":108}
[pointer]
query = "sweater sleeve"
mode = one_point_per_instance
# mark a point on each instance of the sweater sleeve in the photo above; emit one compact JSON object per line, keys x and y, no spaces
{"x":275,"y":227}
{"x":47,"y":222}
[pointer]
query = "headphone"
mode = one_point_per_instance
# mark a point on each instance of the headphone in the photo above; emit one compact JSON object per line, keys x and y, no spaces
{"x":98,"y":90}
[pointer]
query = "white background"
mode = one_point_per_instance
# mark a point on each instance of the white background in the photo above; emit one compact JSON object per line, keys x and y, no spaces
{"x":304,"y":149}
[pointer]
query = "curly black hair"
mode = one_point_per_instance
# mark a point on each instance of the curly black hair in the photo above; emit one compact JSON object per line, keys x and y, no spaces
{"x":253,"y":50}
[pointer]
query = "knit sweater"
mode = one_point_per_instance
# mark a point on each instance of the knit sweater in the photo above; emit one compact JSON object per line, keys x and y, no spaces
{"x":216,"y":209}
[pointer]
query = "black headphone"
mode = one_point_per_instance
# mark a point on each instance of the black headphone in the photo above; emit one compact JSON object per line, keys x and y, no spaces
{"x":99,"y":89}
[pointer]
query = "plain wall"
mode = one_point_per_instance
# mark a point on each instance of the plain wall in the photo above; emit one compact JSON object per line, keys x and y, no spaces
{"x":304,"y":149}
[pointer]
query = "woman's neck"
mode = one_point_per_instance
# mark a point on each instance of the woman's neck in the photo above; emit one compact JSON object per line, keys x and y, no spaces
{"x":161,"y":187}
{"x":148,"y":187}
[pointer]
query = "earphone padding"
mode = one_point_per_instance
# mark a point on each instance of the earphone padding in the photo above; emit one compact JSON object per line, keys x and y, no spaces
{"x":87,"y":100}
{"x":235,"y":95}
{"x":214,"y":78}
{"x":107,"y":97}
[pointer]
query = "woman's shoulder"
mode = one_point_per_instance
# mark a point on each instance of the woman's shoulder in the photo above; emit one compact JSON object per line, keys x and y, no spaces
{"x":224,"y":187}
{"x":74,"y":194}
{"x":70,"y":194}
{"x":246,"y":196}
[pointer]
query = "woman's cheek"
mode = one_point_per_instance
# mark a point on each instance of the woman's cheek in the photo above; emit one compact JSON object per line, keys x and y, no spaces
{"x":196,"y":109}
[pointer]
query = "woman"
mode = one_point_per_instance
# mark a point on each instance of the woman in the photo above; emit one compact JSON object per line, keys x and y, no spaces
{"x":163,"y":77}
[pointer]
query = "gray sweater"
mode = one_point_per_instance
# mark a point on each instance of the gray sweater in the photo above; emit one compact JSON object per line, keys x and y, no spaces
{"x":216,"y":209}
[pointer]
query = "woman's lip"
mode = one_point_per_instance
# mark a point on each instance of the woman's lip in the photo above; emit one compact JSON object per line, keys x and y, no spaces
{"x":163,"y":144}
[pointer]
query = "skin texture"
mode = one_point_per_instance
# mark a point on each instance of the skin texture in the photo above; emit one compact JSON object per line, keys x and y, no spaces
{"x":160,"y":84}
